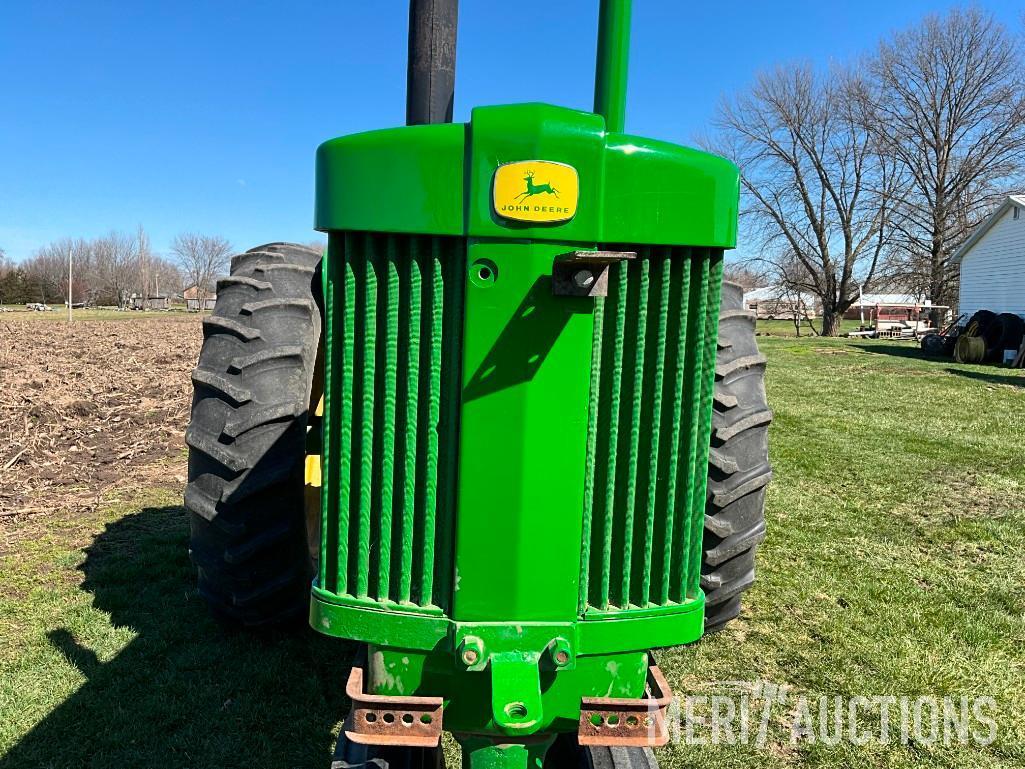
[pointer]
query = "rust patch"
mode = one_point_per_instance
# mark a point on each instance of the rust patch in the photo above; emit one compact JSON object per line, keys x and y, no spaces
{"x":615,"y":721}
{"x":383,"y":720}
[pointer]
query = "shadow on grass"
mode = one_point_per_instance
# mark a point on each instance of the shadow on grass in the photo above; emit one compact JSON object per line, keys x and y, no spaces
{"x":185,"y":691}
{"x":899,"y":350}
{"x":1011,"y":380}
{"x":997,"y":377}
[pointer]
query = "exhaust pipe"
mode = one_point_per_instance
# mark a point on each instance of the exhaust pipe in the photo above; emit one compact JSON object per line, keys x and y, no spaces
{"x":431,"y":64}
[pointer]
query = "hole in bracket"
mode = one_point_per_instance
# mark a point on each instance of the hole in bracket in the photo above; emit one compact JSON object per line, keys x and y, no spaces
{"x":516,"y":710}
{"x":483,"y":273}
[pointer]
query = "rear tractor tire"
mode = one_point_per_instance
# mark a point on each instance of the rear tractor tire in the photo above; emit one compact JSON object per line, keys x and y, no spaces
{"x":933,"y":344}
{"x":352,"y":755}
{"x":567,"y":753}
{"x":738,"y":464}
{"x":247,"y":437}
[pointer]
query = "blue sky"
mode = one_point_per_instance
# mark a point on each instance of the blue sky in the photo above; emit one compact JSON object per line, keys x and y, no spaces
{"x":205,"y":116}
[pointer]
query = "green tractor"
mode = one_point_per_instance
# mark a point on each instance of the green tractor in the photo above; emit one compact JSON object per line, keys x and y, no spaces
{"x":511,"y":425}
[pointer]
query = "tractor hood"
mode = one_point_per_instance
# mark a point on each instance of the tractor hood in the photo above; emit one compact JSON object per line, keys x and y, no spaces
{"x":527,"y":171}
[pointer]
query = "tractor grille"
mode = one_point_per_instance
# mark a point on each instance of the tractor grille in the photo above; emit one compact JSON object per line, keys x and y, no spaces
{"x":652,"y":371}
{"x":393,"y":318}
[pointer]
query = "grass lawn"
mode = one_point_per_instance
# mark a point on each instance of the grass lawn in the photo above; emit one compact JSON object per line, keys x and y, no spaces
{"x":787,"y":328}
{"x":894,"y":566}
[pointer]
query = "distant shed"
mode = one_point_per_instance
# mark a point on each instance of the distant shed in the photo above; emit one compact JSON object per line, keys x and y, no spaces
{"x":151,"y":302}
{"x":192,"y":299}
{"x":993,"y":262}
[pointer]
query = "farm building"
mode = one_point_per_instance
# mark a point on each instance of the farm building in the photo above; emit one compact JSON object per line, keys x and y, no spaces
{"x":779,"y":302}
{"x":151,"y":302}
{"x":993,"y":262}
{"x":191,"y":296}
{"x":867,"y":303}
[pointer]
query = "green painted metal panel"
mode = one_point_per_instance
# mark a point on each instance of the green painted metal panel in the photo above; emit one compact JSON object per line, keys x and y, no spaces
{"x":469,"y":700}
{"x":429,"y":630}
{"x":664,"y":194}
{"x":436,"y":180}
{"x":407,"y":179}
{"x":535,"y":132}
{"x":526,"y":358}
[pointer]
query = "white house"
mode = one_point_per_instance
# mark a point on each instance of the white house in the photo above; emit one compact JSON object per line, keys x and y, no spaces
{"x":993,"y":262}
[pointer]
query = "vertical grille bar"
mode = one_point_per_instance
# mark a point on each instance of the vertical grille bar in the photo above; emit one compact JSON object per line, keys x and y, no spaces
{"x":368,"y":319}
{"x":699,"y":470}
{"x":329,"y":483}
{"x":616,"y":376}
{"x":592,"y":444}
{"x":639,"y":339}
{"x":410,"y":446}
{"x":450,"y":253}
{"x":385,"y":492}
{"x":346,"y":386}
{"x":662,"y":320}
{"x":339,"y":304}
{"x":678,"y":415}
{"x":431,"y":428}
{"x":692,"y":365}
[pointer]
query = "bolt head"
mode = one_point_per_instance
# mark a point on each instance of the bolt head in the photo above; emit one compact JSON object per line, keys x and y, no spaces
{"x":561,"y":657}
{"x":469,"y":656}
{"x":583,"y":278}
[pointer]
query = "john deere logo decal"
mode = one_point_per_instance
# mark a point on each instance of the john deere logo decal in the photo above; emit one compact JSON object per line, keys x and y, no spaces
{"x":536,"y":191}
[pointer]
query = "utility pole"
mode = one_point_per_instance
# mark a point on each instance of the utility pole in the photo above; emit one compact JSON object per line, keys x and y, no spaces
{"x":70,"y":251}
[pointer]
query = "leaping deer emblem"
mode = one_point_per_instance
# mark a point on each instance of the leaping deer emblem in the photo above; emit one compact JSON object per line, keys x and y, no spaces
{"x":535,"y":189}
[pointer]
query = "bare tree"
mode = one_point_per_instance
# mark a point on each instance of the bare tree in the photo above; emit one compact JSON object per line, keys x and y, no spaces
{"x":13,"y":285}
{"x":7,"y":270}
{"x":47,"y":269}
{"x":116,"y":266}
{"x":793,"y":279}
{"x":948,"y":103}
{"x":107,"y":270}
{"x":144,"y":278}
{"x":165,"y":276}
{"x":744,"y":275}
{"x":816,"y":192}
{"x":202,"y":259}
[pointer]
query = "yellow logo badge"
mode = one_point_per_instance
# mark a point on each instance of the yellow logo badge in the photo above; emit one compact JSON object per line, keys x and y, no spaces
{"x":536,"y":191}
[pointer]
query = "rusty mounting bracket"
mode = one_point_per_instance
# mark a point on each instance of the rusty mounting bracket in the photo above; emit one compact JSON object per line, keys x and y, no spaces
{"x":585,"y":273}
{"x":382,"y":720}
{"x":626,"y":722}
